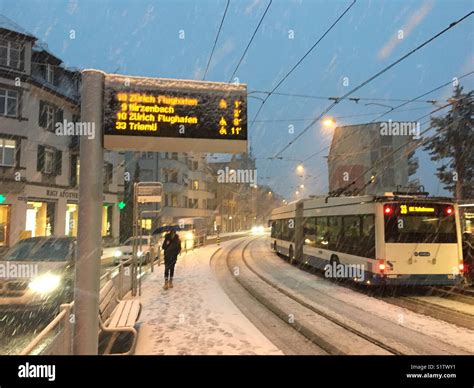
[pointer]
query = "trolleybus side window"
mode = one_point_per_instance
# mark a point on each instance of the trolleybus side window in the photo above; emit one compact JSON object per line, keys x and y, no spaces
{"x":310,"y":232}
{"x":289,"y":229}
{"x":322,"y":232}
{"x":368,"y":236}
{"x":334,"y":232}
{"x":351,"y":235}
{"x":274,"y":232}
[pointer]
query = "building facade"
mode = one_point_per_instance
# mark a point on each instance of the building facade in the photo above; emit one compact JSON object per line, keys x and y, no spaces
{"x":236,"y":189}
{"x":187,"y":186}
{"x":39,"y":169}
{"x":367,"y":159}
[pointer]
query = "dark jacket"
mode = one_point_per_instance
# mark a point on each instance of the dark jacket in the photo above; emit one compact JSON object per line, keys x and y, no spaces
{"x":172,"y":247}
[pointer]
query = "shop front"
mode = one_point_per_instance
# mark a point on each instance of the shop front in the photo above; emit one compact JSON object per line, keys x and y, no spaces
{"x":4,"y":225}
{"x":40,"y":218}
{"x":42,"y":211}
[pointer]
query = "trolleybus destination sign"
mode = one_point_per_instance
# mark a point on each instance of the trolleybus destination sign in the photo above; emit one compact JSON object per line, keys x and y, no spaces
{"x":155,"y":114}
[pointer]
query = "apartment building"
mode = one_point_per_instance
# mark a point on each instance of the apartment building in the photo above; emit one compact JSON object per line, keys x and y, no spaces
{"x":39,"y":170}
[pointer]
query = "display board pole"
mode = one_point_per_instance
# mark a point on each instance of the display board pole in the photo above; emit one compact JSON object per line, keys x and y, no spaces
{"x":89,"y":239}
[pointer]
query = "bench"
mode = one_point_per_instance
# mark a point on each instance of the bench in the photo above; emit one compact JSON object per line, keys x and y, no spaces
{"x":117,"y":315}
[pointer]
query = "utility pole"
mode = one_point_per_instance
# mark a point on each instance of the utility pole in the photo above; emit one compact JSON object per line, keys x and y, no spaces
{"x":89,"y":239}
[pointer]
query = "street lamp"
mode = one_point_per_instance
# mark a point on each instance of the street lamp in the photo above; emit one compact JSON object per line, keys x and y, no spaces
{"x":300,"y":168}
{"x":297,"y":192}
{"x":301,"y":186}
{"x":329,"y":122}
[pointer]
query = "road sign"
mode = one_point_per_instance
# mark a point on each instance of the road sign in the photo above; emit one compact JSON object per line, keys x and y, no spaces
{"x":149,"y":193}
{"x":155,"y":114}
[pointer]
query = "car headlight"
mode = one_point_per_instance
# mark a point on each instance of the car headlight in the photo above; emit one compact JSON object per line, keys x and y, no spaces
{"x":189,"y":236}
{"x":117,"y":254}
{"x":45,"y":284}
{"x":258,"y":229}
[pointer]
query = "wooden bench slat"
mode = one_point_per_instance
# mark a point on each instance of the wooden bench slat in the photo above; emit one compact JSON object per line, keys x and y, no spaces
{"x":125,"y":314}
{"x":134,"y":313}
{"x":122,"y":322}
{"x":108,"y":304}
{"x":117,"y":313}
{"x":106,"y":289}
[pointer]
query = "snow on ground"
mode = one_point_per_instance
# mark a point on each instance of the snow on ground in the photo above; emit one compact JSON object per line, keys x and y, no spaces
{"x":196,"y":316}
{"x":451,"y":334}
{"x":221,"y":235}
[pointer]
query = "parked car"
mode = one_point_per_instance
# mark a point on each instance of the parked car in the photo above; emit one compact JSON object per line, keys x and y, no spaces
{"x":37,"y":273}
{"x":147,"y":251}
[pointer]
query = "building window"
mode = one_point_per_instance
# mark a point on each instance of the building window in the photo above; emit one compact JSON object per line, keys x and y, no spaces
{"x":72,"y":212}
{"x":10,"y":54}
{"x":40,"y":219}
{"x":7,"y":152}
{"x":173,"y":177}
{"x":48,"y":161}
{"x":49,"y":115}
{"x":4,"y":224}
{"x":195,"y":185}
{"x":174,"y":155}
{"x":74,"y":170}
{"x":174,"y":200}
{"x":50,"y":73}
{"x":106,"y":220}
{"x":8,"y":102}
{"x":108,"y":173}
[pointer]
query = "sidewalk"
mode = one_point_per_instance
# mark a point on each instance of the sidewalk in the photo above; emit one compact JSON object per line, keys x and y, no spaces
{"x":196,"y":316}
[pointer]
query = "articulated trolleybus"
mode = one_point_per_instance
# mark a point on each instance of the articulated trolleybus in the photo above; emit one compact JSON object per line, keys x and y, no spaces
{"x":396,"y":239}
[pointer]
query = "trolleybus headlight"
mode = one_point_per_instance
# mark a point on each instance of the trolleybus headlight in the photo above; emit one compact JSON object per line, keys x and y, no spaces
{"x":139,"y":253}
{"x":117,"y":254}
{"x":189,"y":236}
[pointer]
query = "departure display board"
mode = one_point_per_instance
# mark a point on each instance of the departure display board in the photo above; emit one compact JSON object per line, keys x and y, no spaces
{"x":155,"y":114}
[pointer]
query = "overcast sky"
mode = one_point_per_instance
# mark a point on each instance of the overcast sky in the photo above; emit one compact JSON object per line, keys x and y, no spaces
{"x":143,"y":38}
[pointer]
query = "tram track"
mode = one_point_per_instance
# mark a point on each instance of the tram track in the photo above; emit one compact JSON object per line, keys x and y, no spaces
{"x":322,"y":328}
{"x":429,"y":305}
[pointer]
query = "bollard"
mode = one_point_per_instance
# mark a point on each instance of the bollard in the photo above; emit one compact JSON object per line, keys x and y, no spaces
{"x":218,"y":239}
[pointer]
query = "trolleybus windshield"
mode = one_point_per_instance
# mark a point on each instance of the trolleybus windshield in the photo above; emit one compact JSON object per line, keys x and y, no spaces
{"x":419,"y":223}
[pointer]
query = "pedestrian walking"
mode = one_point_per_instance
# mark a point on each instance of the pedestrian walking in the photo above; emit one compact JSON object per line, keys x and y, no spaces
{"x":172,"y":248}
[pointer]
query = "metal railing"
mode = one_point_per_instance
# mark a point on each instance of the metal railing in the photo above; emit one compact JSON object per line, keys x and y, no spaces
{"x":57,"y":337}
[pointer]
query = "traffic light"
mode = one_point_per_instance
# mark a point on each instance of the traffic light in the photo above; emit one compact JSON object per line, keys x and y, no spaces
{"x":121,"y":205}
{"x":2,"y":198}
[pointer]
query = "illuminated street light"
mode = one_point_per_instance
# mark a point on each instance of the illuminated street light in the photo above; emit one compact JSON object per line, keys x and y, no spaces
{"x":329,"y":122}
{"x":301,"y":186}
{"x":297,"y":192}
{"x":300,"y":168}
